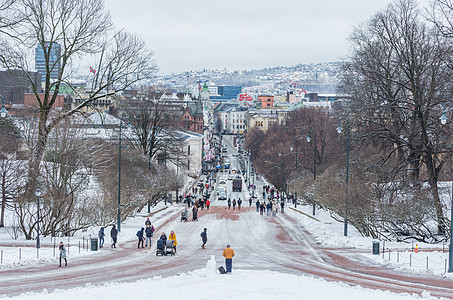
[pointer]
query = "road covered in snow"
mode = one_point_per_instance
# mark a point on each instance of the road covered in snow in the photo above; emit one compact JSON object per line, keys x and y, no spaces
{"x":263,"y":244}
{"x":276,"y":258}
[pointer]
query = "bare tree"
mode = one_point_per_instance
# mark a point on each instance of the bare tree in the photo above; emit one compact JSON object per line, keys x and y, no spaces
{"x":397,"y":78}
{"x":155,"y":126}
{"x":79,"y":27}
{"x":9,"y":167}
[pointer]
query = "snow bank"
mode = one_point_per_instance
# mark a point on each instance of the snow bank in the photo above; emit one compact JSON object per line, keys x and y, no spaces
{"x":241,"y":284}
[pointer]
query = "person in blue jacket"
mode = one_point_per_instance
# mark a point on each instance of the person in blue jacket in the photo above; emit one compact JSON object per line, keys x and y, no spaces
{"x":141,"y":238}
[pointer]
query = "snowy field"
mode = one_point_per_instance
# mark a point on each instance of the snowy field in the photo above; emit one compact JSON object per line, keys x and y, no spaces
{"x":430,"y":259}
{"x":241,"y":284}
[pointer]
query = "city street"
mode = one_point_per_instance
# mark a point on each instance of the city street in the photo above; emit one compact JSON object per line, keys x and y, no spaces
{"x":260,"y":242}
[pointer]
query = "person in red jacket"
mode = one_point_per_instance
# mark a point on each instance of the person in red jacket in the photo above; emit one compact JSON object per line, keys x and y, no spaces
{"x":207,"y":204}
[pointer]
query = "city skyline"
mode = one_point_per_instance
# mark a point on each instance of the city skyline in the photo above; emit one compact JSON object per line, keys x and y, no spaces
{"x":194,"y":35}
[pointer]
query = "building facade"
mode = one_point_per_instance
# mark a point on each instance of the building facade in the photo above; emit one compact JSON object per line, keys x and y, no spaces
{"x":265,"y":101}
{"x":54,"y":52}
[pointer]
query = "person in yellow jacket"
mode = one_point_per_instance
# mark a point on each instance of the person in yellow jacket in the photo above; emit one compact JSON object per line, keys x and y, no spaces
{"x":228,"y":253}
{"x":172,"y":237}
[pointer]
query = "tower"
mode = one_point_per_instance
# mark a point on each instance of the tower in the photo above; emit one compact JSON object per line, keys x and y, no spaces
{"x":53,"y":50}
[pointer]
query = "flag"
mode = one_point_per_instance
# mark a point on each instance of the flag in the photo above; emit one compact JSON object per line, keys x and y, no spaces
{"x":92,"y":70}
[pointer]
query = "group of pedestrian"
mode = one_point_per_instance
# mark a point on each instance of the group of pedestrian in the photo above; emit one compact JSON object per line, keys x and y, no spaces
{"x":270,"y":207}
{"x":239,"y":202}
{"x":171,"y":237}
{"x":145,"y":234}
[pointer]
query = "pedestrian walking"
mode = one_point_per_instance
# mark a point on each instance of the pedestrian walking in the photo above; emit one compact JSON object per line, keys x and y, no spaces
{"x":204,"y":237}
{"x":229,"y":203}
{"x":172,"y":237}
{"x":257,"y":205}
{"x":149,"y":232}
{"x":114,"y":236}
{"x":264,"y":195}
{"x":282,"y":205}
{"x":147,"y":222}
{"x":250,"y":201}
{"x":208,"y":203}
{"x":228,"y":253}
{"x":234,"y":203}
{"x":262,"y":207}
{"x":274,"y":209}
{"x":239,"y":203}
{"x":62,"y":249}
{"x":268,"y":207}
{"x":101,"y":235}
{"x":194,"y":213}
{"x":141,"y":237}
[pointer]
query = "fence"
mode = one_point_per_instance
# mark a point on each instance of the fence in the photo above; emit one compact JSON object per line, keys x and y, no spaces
{"x":10,"y":255}
{"x":420,"y":260}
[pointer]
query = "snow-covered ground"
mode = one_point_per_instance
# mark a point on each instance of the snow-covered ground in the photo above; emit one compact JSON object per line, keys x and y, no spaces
{"x":246,"y":281}
{"x":241,"y":284}
{"x":430,"y":259}
{"x":23,"y":252}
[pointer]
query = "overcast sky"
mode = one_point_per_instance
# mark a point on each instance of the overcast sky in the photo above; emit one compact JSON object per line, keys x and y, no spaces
{"x":242,"y":34}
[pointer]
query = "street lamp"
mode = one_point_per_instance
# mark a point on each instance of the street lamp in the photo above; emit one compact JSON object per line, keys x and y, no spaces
{"x":314,"y":167}
{"x":119,"y":176}
{"x":3,"y":111}
{"x":295,"y":192}
{"x":443,"y":120}
{"x":339,"y":130}
{"x":38,"y":195}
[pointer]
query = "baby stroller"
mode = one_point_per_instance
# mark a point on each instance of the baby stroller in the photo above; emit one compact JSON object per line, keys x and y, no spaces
{"x":160,"y":247}
{"x":169,"y":248}
{"x":183,"y":216}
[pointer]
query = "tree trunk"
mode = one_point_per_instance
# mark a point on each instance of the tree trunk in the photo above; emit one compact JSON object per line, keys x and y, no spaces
{"x":36,"y":157}
{"x":432,"y":180}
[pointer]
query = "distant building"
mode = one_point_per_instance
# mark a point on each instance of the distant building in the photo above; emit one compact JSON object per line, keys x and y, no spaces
{"x":54,"y":52}
{"x":230,"y":117}
{"x":193,"y":119}
{"x":227,"y":92}
{"x":14,"y":85}
{"x":265,"y":101}
{"x":262,"y":119}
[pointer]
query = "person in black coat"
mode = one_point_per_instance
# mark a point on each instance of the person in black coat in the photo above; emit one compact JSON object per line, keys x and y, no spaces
{"x":148,"y":222}
{"x":204,"y":237}
{"x":114,"y":236}
{"x":141,"y":237}
{"x":149,"y":233}
{"x":257,"y":205}
{"x":229,"y":203}
{"x":163,"y":237}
